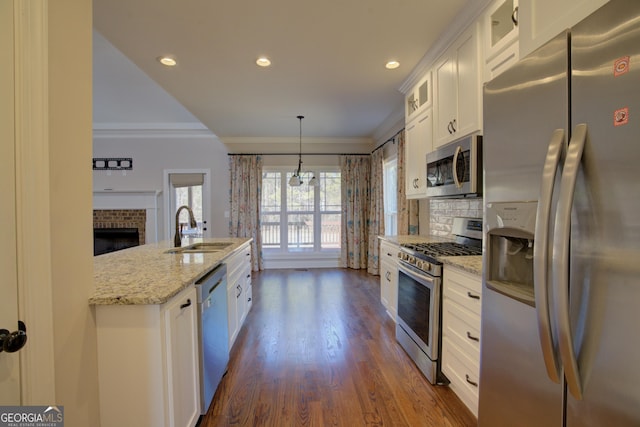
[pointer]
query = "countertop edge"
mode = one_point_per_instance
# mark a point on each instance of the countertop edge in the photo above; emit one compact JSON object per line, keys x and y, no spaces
{"x":146,"y":275}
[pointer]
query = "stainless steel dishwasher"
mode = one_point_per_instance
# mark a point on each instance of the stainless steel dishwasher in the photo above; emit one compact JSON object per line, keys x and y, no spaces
{"x":214,"y":332}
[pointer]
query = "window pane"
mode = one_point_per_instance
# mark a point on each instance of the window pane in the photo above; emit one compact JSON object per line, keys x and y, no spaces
{"x":270,"y":228}
{"x":192,"y":197}
{"x":300,"y":230}
{"x":271,"y":191}
{"x":390,"y":179}
{"x":330,"y":199}
{"x":330,"y":231}
{"x":299,"y":198}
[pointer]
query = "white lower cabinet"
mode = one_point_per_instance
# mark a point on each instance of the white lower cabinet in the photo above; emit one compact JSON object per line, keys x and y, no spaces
{"x":461,"y":308}
{"x":239,"y":290}
{"x":148,"y":363}
{"x":389,"y":277}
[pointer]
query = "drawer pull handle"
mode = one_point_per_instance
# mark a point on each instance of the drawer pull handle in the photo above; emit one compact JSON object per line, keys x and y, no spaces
{"x":388,"y":276}
{"x":471,"y":337}
{"x":473,"y":296}
{"x":186,"y":304}
{"x":471,"y":382}
{"x":388,"y":254}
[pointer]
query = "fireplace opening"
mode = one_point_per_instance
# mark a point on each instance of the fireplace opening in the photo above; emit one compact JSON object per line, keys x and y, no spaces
{"x":107,"y":240}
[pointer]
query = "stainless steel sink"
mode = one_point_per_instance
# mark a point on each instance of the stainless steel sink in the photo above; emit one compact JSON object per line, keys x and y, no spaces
{"x":204,"y":247}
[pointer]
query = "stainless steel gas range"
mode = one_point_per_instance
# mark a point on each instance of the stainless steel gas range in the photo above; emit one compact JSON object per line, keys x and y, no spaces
{"x":420,"y":294}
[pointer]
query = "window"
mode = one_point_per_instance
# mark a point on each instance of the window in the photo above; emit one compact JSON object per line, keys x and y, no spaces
{"x":390,"y":179}
{"x":304,"y":218}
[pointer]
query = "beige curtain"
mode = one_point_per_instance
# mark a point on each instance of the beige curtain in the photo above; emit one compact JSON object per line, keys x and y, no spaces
{"x":355,"y":188}
{"x":407,"y":209}
{"x":376,"y":211}
{"x":245,"y":202}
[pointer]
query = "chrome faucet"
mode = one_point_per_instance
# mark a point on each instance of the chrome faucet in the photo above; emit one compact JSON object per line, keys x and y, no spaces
{"x":177,"y":240}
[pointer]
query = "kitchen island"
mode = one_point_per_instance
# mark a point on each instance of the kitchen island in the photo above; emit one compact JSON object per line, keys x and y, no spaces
{"x":148,"y":275}
{"x":147,"y":326}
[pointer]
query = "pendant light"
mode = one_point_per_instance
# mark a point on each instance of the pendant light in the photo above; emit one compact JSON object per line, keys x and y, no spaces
{"x":296,"y":179}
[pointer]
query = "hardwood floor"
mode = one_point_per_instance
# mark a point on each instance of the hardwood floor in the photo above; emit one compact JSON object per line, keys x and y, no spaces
{"x":318,"y":349}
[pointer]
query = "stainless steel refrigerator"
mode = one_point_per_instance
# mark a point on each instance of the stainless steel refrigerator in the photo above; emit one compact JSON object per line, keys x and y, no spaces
{"x":561,"y":281}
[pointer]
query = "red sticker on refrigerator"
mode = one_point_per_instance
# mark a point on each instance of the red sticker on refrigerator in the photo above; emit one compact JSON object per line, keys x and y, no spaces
{"x":621,"y":66}
{"x":621,"y":116}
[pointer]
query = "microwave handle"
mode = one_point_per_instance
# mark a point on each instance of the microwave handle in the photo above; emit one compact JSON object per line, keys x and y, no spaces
{"x":455,"y":170}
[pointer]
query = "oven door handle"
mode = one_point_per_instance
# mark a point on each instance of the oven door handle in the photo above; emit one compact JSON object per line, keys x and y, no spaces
{"x":411,"y":272}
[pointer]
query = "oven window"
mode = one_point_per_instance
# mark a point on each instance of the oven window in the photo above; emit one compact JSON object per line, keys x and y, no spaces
{"x":413,"y":305}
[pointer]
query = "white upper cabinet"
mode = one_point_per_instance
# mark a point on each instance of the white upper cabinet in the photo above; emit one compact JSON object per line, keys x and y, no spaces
{"x":500,"y":26}
{"x":418,"y":99}
{"x":457,"y":76}
{"x":419,"y":136}
{"x":501,"y":30}
{"x":541,"y":20}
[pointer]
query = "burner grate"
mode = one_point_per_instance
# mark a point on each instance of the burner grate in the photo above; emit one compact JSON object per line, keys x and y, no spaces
{"x":444,"y":249}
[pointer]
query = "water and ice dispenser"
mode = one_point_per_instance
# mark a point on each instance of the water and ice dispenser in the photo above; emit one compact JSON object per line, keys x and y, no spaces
{"x":509,"y":249}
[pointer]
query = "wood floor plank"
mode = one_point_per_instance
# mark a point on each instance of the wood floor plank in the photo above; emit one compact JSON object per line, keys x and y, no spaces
{"x":318,"y":349}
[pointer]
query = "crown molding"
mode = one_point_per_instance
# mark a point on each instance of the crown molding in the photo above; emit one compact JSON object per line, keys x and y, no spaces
{"x":469,"y":13}
{"x":306,"y":141}
{"x":152,"y":130}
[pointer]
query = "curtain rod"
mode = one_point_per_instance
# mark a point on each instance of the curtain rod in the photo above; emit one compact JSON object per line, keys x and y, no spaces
{"x":393,"y":138}
{"x":296,"y":154}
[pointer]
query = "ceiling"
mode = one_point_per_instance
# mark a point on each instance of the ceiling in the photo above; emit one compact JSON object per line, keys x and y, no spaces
{"x":327,"y":58}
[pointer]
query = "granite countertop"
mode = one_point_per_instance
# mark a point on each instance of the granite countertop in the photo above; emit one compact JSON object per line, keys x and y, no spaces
{"x":147,"y":275}
{"x":471,"y":264}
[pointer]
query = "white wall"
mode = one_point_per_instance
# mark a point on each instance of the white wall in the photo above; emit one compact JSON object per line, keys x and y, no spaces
{"x":70,"y":124}
{"x":153,"y":154}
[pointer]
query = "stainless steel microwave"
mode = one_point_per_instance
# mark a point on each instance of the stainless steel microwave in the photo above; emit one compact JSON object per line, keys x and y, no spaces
{"x":455,"y":169}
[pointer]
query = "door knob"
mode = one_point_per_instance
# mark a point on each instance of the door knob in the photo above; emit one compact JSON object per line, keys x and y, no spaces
{"x":13,"y":341}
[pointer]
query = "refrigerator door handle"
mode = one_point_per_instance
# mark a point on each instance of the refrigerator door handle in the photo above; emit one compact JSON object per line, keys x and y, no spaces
{"x":560,"y":264}
{"x":541,"y":254}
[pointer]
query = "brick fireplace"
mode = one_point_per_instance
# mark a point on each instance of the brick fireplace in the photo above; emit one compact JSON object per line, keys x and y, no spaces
{"x":119,"y":220}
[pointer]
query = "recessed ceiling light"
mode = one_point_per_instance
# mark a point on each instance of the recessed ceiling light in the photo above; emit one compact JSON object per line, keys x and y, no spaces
{"x":392,"y":65}
{"x":263,"y":61}
{"x":168,"y":61}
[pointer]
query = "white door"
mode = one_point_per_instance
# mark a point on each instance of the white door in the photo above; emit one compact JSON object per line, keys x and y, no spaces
{"x":9,"y":363}
{"x":188,"y":187}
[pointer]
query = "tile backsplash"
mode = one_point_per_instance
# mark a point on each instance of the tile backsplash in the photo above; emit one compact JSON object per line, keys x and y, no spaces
{"x":442,"y":212}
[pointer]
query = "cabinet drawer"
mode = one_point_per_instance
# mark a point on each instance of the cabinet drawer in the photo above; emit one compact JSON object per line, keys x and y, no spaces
{"x":388,"y":252}
{"x":463,"y":374}
{"x":238,"y":261}
{"x":462,"y":327}
{"x":463,"y":288}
